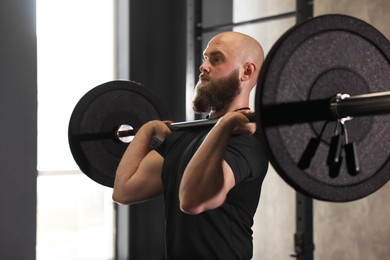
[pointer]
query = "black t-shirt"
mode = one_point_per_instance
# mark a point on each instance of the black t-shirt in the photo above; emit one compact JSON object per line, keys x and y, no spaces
{"x":222,"y":233}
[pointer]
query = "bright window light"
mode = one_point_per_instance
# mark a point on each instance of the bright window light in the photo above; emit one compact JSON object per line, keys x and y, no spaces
{"x":75,"y":54}
{"x":75,"y":41}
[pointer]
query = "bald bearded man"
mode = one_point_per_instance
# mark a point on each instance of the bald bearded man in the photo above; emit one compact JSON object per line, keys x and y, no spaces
{"x":211,"y":177}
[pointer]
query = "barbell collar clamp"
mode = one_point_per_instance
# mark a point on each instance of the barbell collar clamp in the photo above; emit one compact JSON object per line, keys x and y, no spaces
{"x":334,"y":102}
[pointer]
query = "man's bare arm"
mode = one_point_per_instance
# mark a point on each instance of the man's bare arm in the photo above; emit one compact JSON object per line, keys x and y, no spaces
{"x":138,"y":176}
{"x":208,"y":178}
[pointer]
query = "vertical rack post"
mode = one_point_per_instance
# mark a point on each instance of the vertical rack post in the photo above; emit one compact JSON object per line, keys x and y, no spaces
{"x":303,"y":238}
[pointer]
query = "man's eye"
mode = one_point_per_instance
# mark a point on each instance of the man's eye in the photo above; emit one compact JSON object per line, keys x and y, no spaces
{"x":215,"y":60}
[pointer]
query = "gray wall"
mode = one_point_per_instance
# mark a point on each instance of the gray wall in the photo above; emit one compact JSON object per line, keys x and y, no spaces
{"x":18,"y":129}
{"x":357,"y":230}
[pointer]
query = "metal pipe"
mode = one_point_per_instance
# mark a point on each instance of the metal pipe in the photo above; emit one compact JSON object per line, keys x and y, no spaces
{"x":329,"y":109}
{"x":126,"y":130}
{"x":361,"y":105}
{"x":229,"y":26}
{"x":338,"y":107}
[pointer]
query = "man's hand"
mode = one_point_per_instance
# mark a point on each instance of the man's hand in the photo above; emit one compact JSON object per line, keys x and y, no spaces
{"x":160,"y":129}
{"x":240,"y":121}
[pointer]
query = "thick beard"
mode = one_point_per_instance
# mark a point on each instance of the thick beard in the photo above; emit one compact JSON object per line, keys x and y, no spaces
{"x":216,"y":94}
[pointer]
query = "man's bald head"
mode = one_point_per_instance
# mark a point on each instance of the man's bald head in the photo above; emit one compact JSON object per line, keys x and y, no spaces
{"x":245,"y":47}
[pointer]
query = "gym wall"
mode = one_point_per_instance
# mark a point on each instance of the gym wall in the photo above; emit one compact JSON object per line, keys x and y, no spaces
{"x":356,"y":230}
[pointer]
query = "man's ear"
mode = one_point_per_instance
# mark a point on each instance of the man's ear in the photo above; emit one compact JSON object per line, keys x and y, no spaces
{"x":248,"y":71}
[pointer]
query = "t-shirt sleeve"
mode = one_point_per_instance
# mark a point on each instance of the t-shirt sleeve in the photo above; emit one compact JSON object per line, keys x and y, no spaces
{"x":158,"y":147}
{"x":164,"y":147}
{"x":246,"y":157}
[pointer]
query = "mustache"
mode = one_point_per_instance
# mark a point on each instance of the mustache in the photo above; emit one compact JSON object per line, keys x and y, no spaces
{"x":203,"y":76}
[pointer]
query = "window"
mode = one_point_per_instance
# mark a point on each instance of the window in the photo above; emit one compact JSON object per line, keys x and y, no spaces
{"x":75,"y":53}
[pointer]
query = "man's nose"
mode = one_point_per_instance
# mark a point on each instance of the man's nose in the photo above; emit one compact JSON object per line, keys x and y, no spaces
{"x":204,"y":68}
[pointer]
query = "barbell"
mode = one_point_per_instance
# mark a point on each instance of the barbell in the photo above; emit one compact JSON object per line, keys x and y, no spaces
{"x":322,"y":112}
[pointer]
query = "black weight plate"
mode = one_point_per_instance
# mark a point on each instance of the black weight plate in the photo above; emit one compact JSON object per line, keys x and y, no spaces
{"x":316,"y":60}
{"x":94,"y":121}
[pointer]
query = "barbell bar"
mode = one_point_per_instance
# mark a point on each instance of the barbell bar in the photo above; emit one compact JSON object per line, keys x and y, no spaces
{"x":334,"y":108}
{"x":125,"y":131}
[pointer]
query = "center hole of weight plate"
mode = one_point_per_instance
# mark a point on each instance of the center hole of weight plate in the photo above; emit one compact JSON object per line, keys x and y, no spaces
{"x":125,"y":133}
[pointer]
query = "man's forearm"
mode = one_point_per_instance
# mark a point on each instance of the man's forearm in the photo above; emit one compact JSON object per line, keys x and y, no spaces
{"x":134,"y":162}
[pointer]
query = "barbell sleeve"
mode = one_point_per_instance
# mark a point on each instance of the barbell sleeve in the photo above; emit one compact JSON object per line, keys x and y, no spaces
{"x":361,"y":105}
{"x":328,"y":109}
